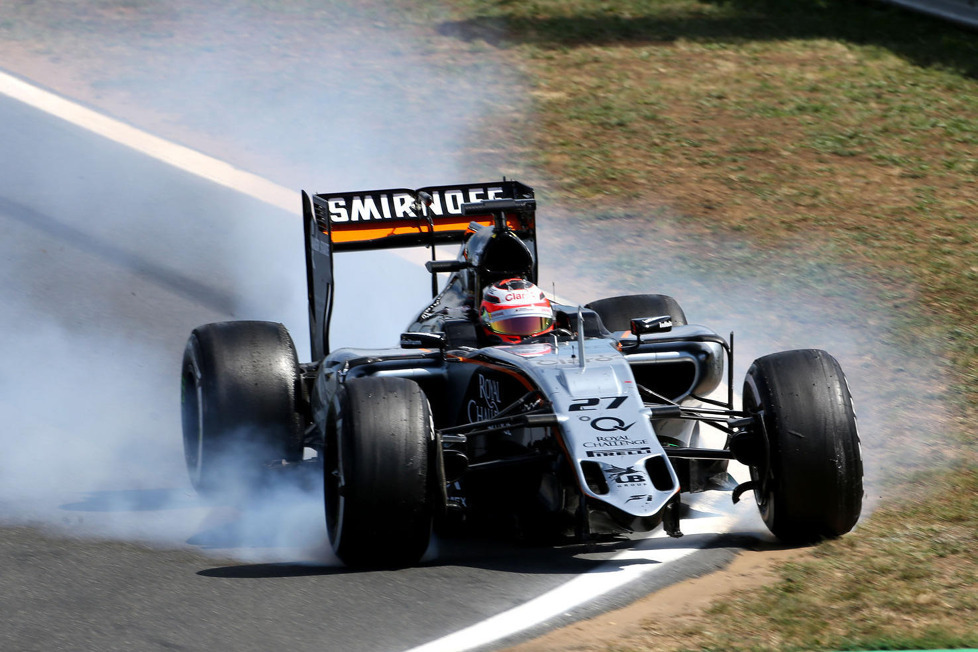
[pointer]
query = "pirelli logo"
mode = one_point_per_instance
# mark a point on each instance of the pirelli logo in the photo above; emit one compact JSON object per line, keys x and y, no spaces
{"x":614,"y":452}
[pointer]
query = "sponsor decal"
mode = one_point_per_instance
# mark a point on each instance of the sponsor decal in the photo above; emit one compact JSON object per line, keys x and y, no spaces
{"x":588,"y":404}
{"x":647,"y":498}
{"x":627,"y":476}
{"x":612,"y":452}
{"x":487,"y":403}
{"x":614,"y":440}
{"x":610,"y":424}
{"x":401,"y":205}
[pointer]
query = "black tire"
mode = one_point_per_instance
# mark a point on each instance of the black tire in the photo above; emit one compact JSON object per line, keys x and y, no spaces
{"x":378,"y":475}
{"x":810,"y":487}
{"x":240,"y":387}
{"x":617,"y":312}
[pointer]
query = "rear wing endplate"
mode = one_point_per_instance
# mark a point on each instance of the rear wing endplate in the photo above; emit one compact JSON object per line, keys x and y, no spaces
{"x":393,"y":218}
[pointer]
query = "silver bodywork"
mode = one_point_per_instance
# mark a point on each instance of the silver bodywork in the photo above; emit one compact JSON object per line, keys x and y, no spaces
{"x":602,"y":420}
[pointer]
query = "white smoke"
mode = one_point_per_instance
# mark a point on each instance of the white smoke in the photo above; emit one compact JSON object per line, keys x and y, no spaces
{"x":774,"y":304}
{"x":107,"y":265}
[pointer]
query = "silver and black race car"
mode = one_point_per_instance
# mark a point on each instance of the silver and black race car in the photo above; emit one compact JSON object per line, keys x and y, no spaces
{"x":594,"y":426}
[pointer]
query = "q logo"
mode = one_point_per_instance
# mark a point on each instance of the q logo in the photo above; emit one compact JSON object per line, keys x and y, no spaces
{"x":610,"y":424}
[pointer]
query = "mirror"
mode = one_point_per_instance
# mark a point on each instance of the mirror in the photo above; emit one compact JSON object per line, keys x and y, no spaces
{"x":646,"y":325}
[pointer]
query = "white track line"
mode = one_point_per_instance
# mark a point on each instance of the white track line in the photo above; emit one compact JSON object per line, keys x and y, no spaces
{"x":178,"y":156}
{"x":586,"y":587}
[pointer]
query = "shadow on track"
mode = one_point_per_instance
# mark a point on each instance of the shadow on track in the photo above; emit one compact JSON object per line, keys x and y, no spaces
{"x":517,"y":559}
{"x":922,"y":40}
{"x":180,"y":284}
{"x":133,"y":500}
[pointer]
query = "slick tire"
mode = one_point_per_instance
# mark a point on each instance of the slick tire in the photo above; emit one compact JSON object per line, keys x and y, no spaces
{"x":617,"y":312}
{"x":810,"y":487}
{"x":379,"y":473}
{"x":240,"y":388}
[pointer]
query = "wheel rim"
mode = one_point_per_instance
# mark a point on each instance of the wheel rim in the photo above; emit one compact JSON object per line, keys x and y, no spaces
{"x":333,"y":480}
{"x":763,"y":495}
{"x":193,"y":420}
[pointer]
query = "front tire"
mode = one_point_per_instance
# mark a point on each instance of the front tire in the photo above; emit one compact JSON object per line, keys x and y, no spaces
{"x":810,"y":486}
{"x":617,"y":312}
{"x":240,"y":387}
{"x":377,"y":459}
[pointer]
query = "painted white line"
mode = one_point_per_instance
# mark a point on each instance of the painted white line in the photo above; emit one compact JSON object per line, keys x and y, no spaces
{"x":178,"y":156}
{"x":582,"y":589}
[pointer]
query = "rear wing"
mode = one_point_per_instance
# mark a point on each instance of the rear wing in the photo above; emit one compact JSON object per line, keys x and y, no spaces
{"x":400,"y":217}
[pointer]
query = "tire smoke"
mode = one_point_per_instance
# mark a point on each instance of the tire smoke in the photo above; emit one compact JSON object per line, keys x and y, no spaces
{"x":109,"y":259}
{"x":775,"y":304}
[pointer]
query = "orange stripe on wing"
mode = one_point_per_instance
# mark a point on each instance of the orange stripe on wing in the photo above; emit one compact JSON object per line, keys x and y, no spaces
{"x":378,"y":230}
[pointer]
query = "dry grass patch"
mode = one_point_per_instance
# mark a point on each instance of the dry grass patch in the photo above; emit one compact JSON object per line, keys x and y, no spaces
{"x":860,"y":592}
{"x":852,"y":147}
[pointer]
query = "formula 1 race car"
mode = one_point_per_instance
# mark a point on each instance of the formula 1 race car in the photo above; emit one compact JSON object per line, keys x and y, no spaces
{"x":589,"y":423}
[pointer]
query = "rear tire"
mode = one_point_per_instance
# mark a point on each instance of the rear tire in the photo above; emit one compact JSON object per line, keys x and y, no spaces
{"x":239,"y":391}
{"x":810,"y":487}
{"x":617,"y":312}
{"x":378,"y":478}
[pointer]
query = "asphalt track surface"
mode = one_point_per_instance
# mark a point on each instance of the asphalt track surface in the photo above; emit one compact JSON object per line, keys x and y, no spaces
{"x":107,"y":259}
{"x":961,"y":12}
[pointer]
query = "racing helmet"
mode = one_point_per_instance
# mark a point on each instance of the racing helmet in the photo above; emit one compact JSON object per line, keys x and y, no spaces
{"x":514,"y":309}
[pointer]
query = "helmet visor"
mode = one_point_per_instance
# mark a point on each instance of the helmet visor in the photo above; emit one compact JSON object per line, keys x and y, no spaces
{"x":524,"y":325}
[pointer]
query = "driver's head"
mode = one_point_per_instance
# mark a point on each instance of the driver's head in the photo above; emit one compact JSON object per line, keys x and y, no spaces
{"x":514,"y":309}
